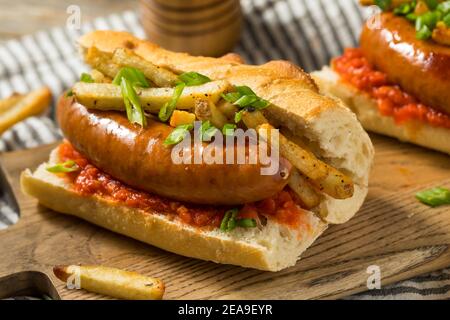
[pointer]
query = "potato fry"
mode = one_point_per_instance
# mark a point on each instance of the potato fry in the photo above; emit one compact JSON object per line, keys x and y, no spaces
{"x":99,"y":77}
{"x":104,"y":96}
{"x":7,"y":103}
{"x":324,"y":177}
{"x":102,"y":62}
{"x":111,"y":282}
{"x":306,"y":193}
{"x":228,"y":109}
{"x":207,"y":110}
{"x":19,"y":107}
{"x":160,"y":76}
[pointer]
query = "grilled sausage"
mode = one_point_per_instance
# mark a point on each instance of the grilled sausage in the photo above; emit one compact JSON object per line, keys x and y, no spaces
{"x":138,"y":157}
{"x":422,"y":68}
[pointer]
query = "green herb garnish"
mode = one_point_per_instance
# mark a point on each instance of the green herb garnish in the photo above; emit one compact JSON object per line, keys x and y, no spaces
{"x":68,"y":166}
{"x":246,"y":223}
{"x":178,"y":134}
{"x":133,"y":75}
{"x":230,"y":221}
{"x":193,"y":79}
{"x":383,"y":4}
{"x":207,"y":131}
{"x":129,"y":79}
{"x":246,"y":99}
{"x":228,"y":129}
{"x":86,"y":77}
{"x":69,"y":93}
{"x":167,"y":109}
{"x":434,"y":197}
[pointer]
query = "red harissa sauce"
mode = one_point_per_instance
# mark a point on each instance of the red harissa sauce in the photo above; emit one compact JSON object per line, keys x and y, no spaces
{"x":90,"y":180}
{"x":392,"y":101}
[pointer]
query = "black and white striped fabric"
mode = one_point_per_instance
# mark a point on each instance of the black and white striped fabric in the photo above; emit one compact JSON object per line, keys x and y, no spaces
{"x":307,"y":32}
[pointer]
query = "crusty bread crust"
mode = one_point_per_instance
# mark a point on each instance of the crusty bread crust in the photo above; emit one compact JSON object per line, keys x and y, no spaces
{"x":273,"y":248}
{"x":330,"y":129}
{"x":365,"y":107}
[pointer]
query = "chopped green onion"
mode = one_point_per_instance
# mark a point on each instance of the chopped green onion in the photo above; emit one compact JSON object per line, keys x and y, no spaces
{"x":207,"y":131}
{"x":411,"y":17}
{"x":434,"y":197}
{"x":246,"y":223}
{"x":68,"y":166}
{"x":86,"y":77}
{"x":424,"y":33}
{"x":229,"y":220}
{"x":429,"y":19}
{"x":69,"y":93}
{"x":245,"y":101}
{"x":238,"y":116}
{"x":135,"y":113}
{"x":193,"y":79}
{"x":245,"y":90}
{"x":446,"y":20}
{"x":432,"y":4}
{"x":228,"y":129}
{"x":383,"y":4}
{"x":231,"y":97}
{"x":167,"y":109}
{"x":232,"y":221}
{"x":133,"y":75}
{"x":178,"y":134}
{"x":444,"y":7}
{"x":128,"y":79}
{"x":403,"y":9}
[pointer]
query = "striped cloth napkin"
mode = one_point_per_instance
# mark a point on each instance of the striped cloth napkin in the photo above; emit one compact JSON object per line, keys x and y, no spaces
{"x":307,"y":32}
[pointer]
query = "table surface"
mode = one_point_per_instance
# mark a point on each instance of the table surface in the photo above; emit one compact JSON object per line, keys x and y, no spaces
{"x":27,"y":16}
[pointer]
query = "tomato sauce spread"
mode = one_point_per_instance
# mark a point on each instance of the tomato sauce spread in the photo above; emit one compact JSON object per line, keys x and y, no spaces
{"x":391,"y":99}
{"x":89,"y":180}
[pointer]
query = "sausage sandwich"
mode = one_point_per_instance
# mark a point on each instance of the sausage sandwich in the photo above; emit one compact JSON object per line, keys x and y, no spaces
{"x":134,"y":126}
{"x":398,"y":80}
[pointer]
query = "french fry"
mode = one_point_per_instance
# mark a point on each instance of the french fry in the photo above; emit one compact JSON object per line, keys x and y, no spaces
{"x":111,"y":282}
{"x":19,"y":107}
{"x":306,"y":193}
{"x":227,"y":108}
{"x":179,"y":118}
{"x":322,"y":176}
{"x":103,"y":96}
{"x":7,"y":103}
{"x":99,"y":77}
{"x":160,"y":76}
{"x":207,"y":110}
{"x":102,"y":62}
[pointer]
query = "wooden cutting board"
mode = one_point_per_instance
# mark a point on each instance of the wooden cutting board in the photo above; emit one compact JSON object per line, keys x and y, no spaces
{"x":393,"y":231}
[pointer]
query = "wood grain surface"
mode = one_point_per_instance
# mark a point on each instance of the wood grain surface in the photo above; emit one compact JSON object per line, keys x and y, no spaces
{"x":392,"y":230}
{"x":22,"y":17}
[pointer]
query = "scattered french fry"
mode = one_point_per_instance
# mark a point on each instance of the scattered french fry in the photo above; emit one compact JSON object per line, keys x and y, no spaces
{"x":21,"y":106}
{"x":322,"y":176}
{"x":160,"y":76}
{"x":111,"y":282}
{"x":179,"y":118}
{"x":103,"y":96}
